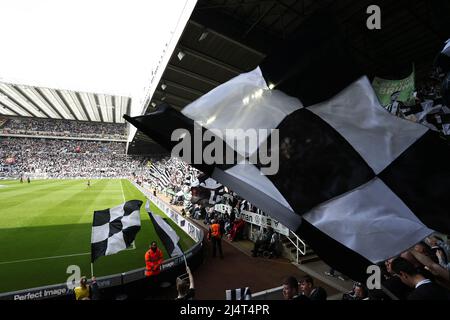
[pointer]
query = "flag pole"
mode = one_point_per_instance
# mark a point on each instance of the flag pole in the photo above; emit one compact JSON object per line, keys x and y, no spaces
{"x":185,"y":262}
{"x":92,"y":269}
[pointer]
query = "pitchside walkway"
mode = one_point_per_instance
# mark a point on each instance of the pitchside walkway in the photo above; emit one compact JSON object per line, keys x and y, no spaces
{"x":239,"y":269}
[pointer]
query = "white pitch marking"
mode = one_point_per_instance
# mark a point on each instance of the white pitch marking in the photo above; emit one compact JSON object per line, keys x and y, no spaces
{"x":121,"y":186}
{"x":45,"y":258}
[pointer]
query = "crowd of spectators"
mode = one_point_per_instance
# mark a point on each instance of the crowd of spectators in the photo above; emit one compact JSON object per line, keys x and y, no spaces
{"x":424,"y":265}
{"x":421,"y":273}
{"x":429,"y":108}
{"x":52,"y":158}
{"x":63,"y":128}
{"x":200,"y":198}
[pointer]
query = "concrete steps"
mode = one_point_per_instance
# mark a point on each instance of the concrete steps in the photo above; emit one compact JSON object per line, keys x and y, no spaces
{"x":291,"y":252}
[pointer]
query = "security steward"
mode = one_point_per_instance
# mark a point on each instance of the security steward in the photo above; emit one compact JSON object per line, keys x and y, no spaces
{"x":215,"y":236}
{"x":153,"y":260}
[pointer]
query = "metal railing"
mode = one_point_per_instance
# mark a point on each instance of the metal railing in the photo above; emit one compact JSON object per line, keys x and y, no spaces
{"x":299,"y":244}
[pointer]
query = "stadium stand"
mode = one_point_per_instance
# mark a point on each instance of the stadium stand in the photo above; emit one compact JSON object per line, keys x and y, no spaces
{"x":49,"y":148}
{"x":62,"y":128}
{"x":47,"y":158}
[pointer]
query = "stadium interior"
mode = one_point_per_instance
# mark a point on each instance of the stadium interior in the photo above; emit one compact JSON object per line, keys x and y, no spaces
{"x":65,"y":154}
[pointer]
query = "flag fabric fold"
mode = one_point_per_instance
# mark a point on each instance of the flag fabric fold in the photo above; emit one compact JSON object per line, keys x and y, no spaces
{"x":165,"y":232}
{"x":238,"y":294}
{"x":115,"y":229}
{"x":358,"y":184}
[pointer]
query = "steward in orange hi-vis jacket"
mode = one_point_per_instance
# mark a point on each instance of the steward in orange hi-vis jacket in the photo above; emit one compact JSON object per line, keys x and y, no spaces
{"x":153,"y":260}
{"x":215,"y":236}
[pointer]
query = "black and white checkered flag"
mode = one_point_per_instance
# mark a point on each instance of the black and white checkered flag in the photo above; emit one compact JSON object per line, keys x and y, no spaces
{"x":358,"y":184}
{"x":165,"y":233}
{"x":115,"y":229}
{"x":239,"y":294}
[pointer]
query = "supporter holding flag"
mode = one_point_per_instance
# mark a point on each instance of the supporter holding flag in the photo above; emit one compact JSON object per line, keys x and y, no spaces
{"x":165,"y":232}
{"x":115,"y":229}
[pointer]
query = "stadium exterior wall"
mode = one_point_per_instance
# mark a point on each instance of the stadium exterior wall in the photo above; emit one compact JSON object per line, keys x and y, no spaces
{"x":128,"y":281}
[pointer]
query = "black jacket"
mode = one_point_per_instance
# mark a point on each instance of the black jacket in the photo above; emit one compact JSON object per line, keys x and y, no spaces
{"x":318,"y":294}
{"x":429,"y":291}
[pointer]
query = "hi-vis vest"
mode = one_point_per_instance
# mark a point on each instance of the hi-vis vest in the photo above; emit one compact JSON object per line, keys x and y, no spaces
{"x":215,"y":230}
{"x":153,"y":260}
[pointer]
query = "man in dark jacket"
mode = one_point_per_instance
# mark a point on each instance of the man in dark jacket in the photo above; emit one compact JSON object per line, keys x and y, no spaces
{"x":313,"y":293}
{"x":424,"y":289}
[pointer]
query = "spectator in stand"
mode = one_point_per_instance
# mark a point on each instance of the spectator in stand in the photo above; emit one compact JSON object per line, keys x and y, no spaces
{"x":391,"y":282}
{"x":313,"y":293}
{"x":431,"y":269}
{"x":275,"y":246}
{"x":236,"y":232}
{"x":290,"y":290}
{"x":439,"y":248}
{"x":234,"y":213}
{"x":443,"y":262}
{"x":438,"y":241}
{"x":359,"y":292}
{"x":425,"y":249}
{"x":263,"y":237}
{"x":196,"y":212}
{"x":424,"y":289}
{"x":209,"y":215}
{"x":86,"y":291}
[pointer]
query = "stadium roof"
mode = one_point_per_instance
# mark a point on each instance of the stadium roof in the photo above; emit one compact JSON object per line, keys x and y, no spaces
{"x":226,"y":37}
{"x":91,"y":64}
{"x":30,"y":101}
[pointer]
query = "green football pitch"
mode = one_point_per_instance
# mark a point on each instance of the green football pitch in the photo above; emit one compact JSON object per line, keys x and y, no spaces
{"x":45,"y":227}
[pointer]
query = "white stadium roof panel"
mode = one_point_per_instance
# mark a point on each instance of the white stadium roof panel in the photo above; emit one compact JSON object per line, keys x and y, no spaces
{"x":18,"y":99}
{"x":33,"y":95}
{"x":31,"y":101}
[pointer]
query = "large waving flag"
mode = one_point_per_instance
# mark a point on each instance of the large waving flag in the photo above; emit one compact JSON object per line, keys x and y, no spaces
{"x":166,"y":234}
{"x":115,"y":229}
{"x":357,"y":183}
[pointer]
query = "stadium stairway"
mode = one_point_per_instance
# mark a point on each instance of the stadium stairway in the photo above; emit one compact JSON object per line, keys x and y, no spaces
{"x":311,"y":264}
{"x":290,"y":252}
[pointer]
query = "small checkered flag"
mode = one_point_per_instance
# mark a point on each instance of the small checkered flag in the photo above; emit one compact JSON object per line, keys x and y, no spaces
{"x":239,"y":294}
{"x":115,"y":229}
